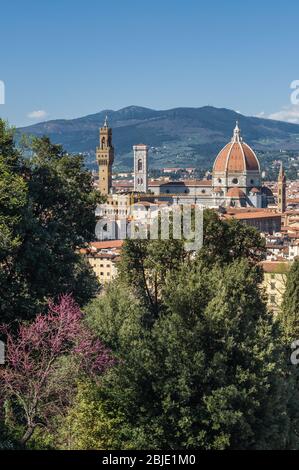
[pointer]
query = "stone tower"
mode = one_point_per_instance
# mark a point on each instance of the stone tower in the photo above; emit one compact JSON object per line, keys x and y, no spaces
{"x":105,"y":158}
{"x":140,"y":168}
{"x":282,"y":190}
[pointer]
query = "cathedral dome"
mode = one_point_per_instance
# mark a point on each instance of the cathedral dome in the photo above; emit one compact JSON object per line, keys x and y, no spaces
{"x":236,"y":156}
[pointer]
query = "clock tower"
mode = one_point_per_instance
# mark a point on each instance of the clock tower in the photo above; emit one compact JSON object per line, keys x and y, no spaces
{"x":105,"y":158}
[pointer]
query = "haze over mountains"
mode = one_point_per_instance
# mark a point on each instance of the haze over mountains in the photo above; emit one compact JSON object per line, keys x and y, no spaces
{"x":177,"y":137}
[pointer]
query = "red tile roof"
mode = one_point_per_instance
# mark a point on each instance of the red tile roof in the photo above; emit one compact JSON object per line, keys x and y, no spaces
{"x":253,"y":215}
{"x":103,"y":245}
{"x":236,"y":193}
{"x":236,"y":157}
{"x":275,"y":266}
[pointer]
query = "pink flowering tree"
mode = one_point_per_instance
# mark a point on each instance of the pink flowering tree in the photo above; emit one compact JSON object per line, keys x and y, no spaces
{"x":31,"y":377}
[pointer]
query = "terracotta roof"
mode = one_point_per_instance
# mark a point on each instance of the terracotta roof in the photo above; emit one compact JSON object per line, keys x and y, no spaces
{"x":106,"y":244}
{"x":275,"y":266}
{"x":254,"y":215}
{"x":236,"y":156}
{"x":242,"y":210}
{"x":198,"y":182}
{"x":236,"y":193}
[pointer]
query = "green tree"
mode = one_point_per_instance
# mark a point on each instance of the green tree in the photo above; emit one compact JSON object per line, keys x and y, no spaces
{"x":47,"y":213}
{"x":289,"y":314}
{"x":211,"y":373}
{"x":145,"y":263}
{"x":13,"y":200}
{"x":228,"y":240}
{"x":116,"y":317}
{"x":144,"y":266}
{"x":88,"y":424}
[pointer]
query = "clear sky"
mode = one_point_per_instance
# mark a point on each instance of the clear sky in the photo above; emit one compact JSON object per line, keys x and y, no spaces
{"x":68,"y":58}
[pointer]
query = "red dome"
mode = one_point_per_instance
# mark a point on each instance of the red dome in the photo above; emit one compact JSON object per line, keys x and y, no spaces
{"x":236,"y":156}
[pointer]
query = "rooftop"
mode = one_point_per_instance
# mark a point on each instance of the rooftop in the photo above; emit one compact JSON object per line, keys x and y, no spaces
{"x":278,"y":267}
{"x":253,"y":215}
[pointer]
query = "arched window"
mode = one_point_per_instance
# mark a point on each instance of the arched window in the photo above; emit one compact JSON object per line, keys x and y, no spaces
{"x":103,"y":143}
{"x":141,"y":180}
{"x":137,"y":180}
{"x":139,"y":165}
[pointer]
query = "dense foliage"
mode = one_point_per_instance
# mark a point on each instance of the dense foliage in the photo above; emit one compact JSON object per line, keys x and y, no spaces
{"x":210,"y":373}
{"x":290,"y":305}
{"x":47,"y":204}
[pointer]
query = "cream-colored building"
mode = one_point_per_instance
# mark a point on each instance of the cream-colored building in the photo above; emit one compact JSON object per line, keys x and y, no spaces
{"x":275,"y":277}
{"x":103,"y":257}
{"x":104,"y":266}
{"x":294,"y":250}
{"x":116,"y":205}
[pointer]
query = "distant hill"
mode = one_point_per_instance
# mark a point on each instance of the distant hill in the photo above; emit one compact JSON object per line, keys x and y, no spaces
{"x":177,"y":137}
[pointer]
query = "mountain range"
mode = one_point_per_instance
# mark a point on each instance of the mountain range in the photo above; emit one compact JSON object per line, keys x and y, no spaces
{"x":176,"y":137}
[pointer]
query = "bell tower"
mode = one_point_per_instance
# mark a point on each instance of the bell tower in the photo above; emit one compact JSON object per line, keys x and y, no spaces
{"x":105,"y":158}
{"x":140,"y":168}
{"x":282,"y":188}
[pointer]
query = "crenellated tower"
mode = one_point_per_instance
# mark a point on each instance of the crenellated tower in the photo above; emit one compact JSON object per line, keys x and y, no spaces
{"x":105,"y":158}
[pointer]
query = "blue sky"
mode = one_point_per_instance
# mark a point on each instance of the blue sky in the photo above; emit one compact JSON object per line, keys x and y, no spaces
{"x":68,"y":58}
